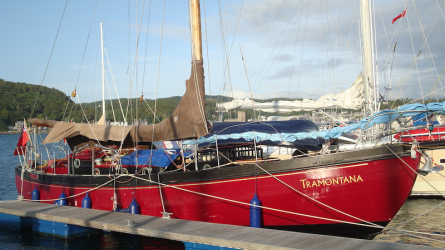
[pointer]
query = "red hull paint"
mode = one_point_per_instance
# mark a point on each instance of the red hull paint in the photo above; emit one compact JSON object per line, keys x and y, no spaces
{"x":373,"y":191}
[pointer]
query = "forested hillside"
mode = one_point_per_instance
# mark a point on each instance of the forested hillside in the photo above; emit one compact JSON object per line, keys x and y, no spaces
{"x":17,"y":101}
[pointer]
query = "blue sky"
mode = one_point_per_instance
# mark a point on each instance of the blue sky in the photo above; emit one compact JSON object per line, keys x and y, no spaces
{"x":291,"y":48}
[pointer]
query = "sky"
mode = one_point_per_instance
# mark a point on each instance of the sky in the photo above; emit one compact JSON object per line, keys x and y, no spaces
{"x":291,"y":48}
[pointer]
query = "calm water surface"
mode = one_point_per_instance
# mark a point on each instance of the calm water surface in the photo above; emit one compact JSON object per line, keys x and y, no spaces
{"x":433,"y":222}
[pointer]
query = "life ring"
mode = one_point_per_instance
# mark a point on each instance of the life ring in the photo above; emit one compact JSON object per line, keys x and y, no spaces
{"x":146,"y":170}
{"x":76,"y":163}
{"x":96,"y":171}
{"x":207,"y":166}
{"x":125,"y":171}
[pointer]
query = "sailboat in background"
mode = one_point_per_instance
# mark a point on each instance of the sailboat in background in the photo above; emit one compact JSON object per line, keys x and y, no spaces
{"x":219,"y":171}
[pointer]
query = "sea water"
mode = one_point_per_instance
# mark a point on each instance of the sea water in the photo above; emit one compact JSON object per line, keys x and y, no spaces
{"x":431,"y":222}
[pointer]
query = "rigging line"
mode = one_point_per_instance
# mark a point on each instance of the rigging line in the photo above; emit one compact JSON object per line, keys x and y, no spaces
{"x":85,"y":49}
{"x":414,"y":53}
{"x":138,"y":30}
{"x":435,"y":85}
{"x":330,"y":61}
{"x":146,"y":46}
{"x":282,"y":45}
{"x":233,"y":41}
{"x":207,"y":47}
{"x":88,"y":122}
{"x":86,"y":45}
{"x":115,"y":87}
{"x":201,"y":106}
{"x":223,"y":47}
{"x":356,"y":58}
{"x":159,"y":69}
{"x":406,"y":79}
{"x":383,"y":24}
{"x":248,"y":82}
{"x":349,"y":40}
{"x":336,"y":47}
{"x":49,"y":59}
{"x":73,"y":196}
{"x":225,"y":52}
{"x":415,"y":100}
{"x":398,"y":29}
{"x":111,"y":102}
{"x":321,"y":53}
{"x":222,"y":88}
{"x":279,"y":38}
{"x":151,"y":110}
{"x":328,"y":57}
{"x":302,"y":50}
{"x":409,"y":67}
{"x":427,"y":44}
{"x":293,"y":59}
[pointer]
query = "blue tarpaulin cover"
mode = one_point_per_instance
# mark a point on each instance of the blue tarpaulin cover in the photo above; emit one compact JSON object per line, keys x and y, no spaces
{"x":242,"y":132}
{"x":159,"y":157}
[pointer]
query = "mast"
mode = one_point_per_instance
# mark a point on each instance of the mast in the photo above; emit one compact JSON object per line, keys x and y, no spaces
{"x":103,"y":75}
{"x":195,"y":18}
{"x":367,"y":56}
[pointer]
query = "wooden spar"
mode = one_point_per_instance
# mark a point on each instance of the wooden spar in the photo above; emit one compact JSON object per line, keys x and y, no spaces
{"x":195,"y":16}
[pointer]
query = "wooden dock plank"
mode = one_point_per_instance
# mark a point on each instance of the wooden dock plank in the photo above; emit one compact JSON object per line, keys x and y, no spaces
{"x":191,"y":231}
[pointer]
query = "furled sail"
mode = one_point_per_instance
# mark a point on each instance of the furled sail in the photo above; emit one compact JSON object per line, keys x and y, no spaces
{"x":352,"y":98}
{"x":187,"y":121}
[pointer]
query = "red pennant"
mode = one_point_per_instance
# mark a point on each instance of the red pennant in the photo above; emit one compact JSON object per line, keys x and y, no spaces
{"x":21,"y":144}
{"x":399,"y":16}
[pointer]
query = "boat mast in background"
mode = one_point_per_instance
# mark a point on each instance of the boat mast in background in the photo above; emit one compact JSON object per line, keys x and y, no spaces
{"x":368,"y":57}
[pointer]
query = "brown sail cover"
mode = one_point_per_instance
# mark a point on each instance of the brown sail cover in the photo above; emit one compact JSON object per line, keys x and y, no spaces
{"x":187,"y":121}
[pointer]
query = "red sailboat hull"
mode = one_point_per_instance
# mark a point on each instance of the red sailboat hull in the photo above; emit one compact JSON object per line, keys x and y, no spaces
{"x":369,"y":190}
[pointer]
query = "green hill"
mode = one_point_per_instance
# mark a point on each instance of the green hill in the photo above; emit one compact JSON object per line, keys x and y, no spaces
{"x":17,"y":100}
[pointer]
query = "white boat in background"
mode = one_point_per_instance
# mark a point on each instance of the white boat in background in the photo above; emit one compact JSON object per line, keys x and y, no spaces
{"x":432,"y":184}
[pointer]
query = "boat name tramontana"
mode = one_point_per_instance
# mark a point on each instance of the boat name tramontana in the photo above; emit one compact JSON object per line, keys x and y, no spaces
{"x":331,"y":181}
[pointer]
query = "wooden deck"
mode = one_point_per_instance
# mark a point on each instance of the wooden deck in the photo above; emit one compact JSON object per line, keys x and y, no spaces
{"x":190,"y":231}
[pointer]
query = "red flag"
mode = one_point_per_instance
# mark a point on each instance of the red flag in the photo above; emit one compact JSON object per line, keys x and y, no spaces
{"x":399,"y":16}
{"x":21,"y":144}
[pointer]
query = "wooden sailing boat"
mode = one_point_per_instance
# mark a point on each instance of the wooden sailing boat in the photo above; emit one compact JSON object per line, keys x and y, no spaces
{"x":351,"y":193}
